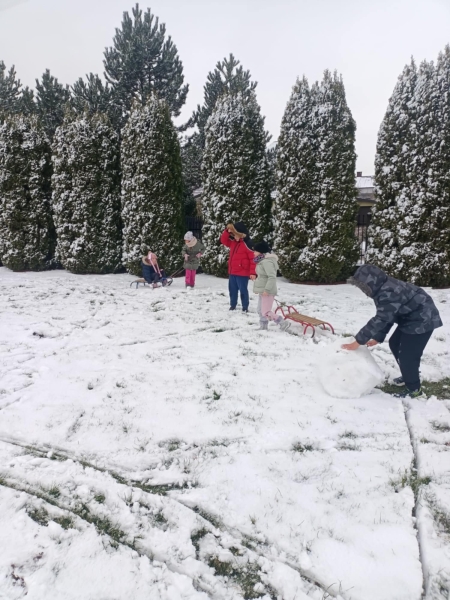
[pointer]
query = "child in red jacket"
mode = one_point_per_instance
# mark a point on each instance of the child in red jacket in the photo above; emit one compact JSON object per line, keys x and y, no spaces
{"x":241,"y":267}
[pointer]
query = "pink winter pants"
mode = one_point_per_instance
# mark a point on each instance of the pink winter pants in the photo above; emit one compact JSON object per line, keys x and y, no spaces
{"x":265,"y":311}
{"x":190,"y":277}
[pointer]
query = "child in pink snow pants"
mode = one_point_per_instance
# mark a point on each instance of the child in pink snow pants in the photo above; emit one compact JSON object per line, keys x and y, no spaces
{"x":265,"y":285}
{"x":192,"y":252}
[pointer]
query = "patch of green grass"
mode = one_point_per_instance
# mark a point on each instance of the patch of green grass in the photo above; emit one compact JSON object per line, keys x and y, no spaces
{"x":440,"y":389}
{"x":412,"y":480}
{"x":119,"y":478}
{"x":53,"y":492}
{"x":39,"y":515}
{"x":196,"y":536}
{"x":219,"y":330}
{"x":102,"y":524}
{"x":347,"y":446}
{"x":216,"y":395}
{"x":441,"y":427}
{"x":161,"y":490}
{"x":443,"y":520}
{"x":348,"y":435}
{"x":65,"y":522}
{"x":215,"y":521}
{"x":247,"y":577}
{"x":100,"y":498}
{"x":302,"y":448}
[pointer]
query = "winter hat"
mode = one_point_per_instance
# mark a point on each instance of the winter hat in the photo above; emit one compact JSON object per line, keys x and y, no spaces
{"x":243,"y":231}
{"x":189,"y":236}
{"x":262,"y":247}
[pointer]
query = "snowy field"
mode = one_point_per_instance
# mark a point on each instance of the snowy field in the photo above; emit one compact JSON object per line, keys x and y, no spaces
{"x":154,"y":445}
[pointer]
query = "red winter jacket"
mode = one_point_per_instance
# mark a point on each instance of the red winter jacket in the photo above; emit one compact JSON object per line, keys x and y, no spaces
{"x":241,"y":257}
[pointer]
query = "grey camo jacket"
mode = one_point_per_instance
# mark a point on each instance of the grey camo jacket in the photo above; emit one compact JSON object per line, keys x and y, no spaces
{"x":396,"y":302}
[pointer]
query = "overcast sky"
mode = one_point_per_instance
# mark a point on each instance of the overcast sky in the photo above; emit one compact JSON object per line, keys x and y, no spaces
{"x":369,"y":42}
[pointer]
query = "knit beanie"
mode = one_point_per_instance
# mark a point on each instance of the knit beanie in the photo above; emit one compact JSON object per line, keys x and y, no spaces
{"x":189,"y":236}
{"x":262,"y":247}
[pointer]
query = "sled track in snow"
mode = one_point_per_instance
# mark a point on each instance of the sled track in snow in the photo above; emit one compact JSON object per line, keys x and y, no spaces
{"x":417,"y":497}
{"x":48,"y":452}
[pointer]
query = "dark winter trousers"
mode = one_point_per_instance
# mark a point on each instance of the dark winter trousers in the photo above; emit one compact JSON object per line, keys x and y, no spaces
{"x":238,"y":283}
{"x":408,"y":349}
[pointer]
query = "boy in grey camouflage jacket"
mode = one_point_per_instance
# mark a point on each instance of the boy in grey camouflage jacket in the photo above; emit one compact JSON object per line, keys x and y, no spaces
{"x":406,"y":305}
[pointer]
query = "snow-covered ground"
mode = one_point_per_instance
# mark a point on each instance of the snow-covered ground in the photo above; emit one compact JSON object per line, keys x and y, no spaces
{"x":155,"y":445}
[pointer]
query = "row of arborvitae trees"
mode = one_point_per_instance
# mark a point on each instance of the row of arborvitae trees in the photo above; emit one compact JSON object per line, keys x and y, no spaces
{"x":90,"y":201}
{"x":312,"y":221}
{"x":410,"y":229}
{"x":90,"y":176}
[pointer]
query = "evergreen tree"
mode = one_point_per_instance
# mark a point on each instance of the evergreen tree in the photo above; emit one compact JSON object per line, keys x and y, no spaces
{"x":316,"y":208}
{"x":228,"y":77}
{"x":420,"y":197}
{"x":142,"y":62}
{"x":152,"y":187}
{"x":296,"y":199}
{"x":393,"y":172}
{"x":27,"y":237}
{"x":191,"y":159}
{"x":86,"y":194}
{"x":51,"y":100}
{"x":236,"y":175}
{"x":9,"y":91}
{"x":27,"y":105}
{"x":440,"y":215}
{"x":93,"y":96}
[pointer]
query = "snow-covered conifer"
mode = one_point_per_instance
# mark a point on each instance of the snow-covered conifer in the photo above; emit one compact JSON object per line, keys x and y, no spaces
{"x":152,"y":187}
{"x":144,"y":61}
{"x":316,"y":207}
{"x":236,"y":175}
{"x":296,"y":172}
{"x":393,"y":173}
{"x":9,"y":91}
{"x":51,"y":100}
{"x":420,"y":199}
{"x":27,"y":236}
{"x":86,"y":195}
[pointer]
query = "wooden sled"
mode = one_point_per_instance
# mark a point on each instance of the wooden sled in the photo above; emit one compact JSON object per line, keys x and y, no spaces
{"x":162,"y":283}
{"x":289,"y":312}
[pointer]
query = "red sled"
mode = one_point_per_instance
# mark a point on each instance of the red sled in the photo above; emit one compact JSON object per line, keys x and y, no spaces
{"x":289,"y":312}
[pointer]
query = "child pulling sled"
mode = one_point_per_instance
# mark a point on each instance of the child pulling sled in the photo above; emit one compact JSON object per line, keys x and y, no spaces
{"x":265,"y":285}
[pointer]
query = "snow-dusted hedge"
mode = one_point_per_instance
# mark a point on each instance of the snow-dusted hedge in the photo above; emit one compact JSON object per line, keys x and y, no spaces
{"x":86,"y":195}
{"x":236,"y":175}
{"x":315,"y":209}
{"x":152,"y":187}
{"x":27,"y":236}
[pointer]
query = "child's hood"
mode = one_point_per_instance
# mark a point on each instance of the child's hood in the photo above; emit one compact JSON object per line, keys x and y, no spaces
{"x":272,"y":257}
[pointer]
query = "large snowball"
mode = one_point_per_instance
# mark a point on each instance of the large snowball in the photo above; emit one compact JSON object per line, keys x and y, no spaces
{"x":348,"y":374}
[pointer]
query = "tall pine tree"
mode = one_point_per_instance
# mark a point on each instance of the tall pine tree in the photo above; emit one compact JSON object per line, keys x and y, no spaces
{"x":51,"y":100}
{"x":144,"y":61}
{"x":9,"y":91}
{"x":296,"y":199}
{"x":228,"y":77}
{"x":152,"y":187}
{"x":236,"y":175}
{"x":393,"y":173}
{"x":86,"y":195}
{"x":320,"y":183}
{"x":27,"y":235}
